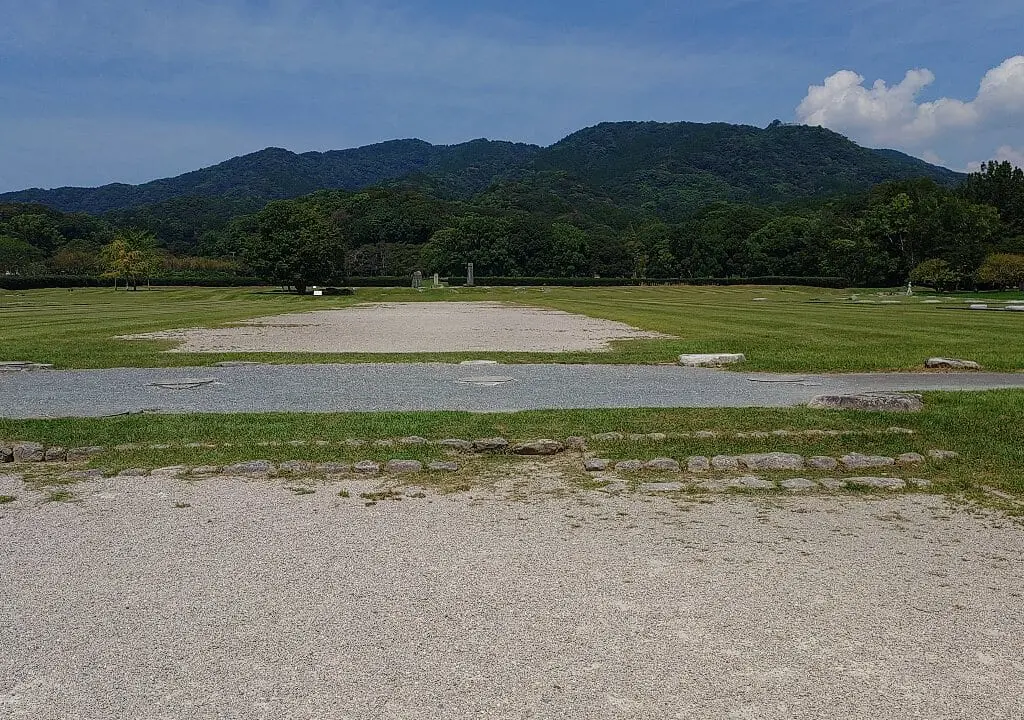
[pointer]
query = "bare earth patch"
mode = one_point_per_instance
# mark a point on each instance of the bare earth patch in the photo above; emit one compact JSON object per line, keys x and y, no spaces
{"x":409,"y":328}
{"x":167,"y":598}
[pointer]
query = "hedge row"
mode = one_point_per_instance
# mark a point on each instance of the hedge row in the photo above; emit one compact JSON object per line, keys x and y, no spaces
{"x":36,"y":282}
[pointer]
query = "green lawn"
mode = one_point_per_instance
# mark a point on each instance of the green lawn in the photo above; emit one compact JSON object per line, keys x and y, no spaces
{"x":793,"y":330}
{"x":984,"y":427}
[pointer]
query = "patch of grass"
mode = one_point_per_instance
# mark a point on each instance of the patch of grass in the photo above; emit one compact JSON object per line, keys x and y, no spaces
{"x":792,"y":330}
{"x":4,"y":499}
{"x":302,"y":490}
{"x":59,"y":496}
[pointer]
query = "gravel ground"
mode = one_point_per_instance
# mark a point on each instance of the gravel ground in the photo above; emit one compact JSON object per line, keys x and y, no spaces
{"x":253,"y":602}
{"x":434,"y":386}
{"x":411,"y":328}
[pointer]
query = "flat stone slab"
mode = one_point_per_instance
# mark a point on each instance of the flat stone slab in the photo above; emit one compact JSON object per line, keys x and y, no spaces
{"x":878,"y":402}
{"x":951,"y":363}
{"x":711,"y":359}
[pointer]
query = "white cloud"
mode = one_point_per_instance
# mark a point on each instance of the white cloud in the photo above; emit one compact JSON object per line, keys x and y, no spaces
{"x":1011,"y":154}
{"x":884,"y":114}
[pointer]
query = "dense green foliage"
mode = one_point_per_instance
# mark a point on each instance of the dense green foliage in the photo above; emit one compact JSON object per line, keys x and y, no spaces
{"x":620,"y":200}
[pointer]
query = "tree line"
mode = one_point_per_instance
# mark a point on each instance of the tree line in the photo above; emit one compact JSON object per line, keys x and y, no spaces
{"x":915,"y":230}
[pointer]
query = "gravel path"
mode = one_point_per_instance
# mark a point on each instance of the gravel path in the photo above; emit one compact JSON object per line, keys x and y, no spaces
{"x":411,"y":328}
{"x":253,"y":602}
{"x":374,"y":387}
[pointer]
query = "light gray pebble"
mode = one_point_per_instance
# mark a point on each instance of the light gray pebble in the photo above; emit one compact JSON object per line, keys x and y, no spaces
{"x":662,"y":465}
{"x":331,"y":467}
{"x":295,"y":466}
{"x":772,"y":461}
{"x":751,"y":483}
{"x":596,"y":464}
{"x":366,"y":467}
{"x":629,"y":465}
{"x":833,"y":483}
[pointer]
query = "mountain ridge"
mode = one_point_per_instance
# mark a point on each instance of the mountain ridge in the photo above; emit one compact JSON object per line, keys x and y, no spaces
{"x":647,"y":164}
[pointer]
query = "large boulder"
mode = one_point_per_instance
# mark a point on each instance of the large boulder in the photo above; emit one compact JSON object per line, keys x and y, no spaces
{"x":876,"y":401}
{"x":711,"y":359}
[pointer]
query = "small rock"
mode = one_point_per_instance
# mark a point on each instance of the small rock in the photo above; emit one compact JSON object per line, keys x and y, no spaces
{"x":543,"y":446}
{"x":951,"y":363}
{"x":28,"y":452}
{"x":705,"y":434}
{"x":901,"y":431}
{"x":883,"y":483}
{"x":772,"y":461}
{"x":83,"y":475}
{"x":494,"y":444}
{"x":698,"y":463}
{"x":653,"y":487}
{"x":413,"y":440}
{"x":442,"y":466}
{"x":878,"y":402}
{"x":662,"y":465}
{"x":833,"y":483}
{"x":943,"y":454}
{"x":751,"y":483}
{"x":384,"y":443}
{"x":6,"y":454}
{"x":629,"y":465}
{"x":725,"y":462}
{"x":979,"y":306}
{"x":856,"y":461}
{"x":711,"y":359}
{"x":55,"y":454}
{"x":608,"y":437}
{"x":576,"y":443}
{"x":134,"y":472}
{"x":457,"y":444}
{"x":1015,"y":308}
{"x":295,"y":466}
{"x":331,"y":468}
{"x":367,"y":467}
{"x":920,"y":482}
{"x":820,"y":462}
{"x":404,"y":466}
{"x":596,"y":464}
{"x":84,"y":453}
{"x":910,"y":458}
{"x":250,"y":467}
{"x":797,"y":484}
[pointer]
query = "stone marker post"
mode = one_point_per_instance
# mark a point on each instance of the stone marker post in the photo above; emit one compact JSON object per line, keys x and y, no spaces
{"x":437,"y":280}
{"x":417,"y":280}
{"x":469,"y":274}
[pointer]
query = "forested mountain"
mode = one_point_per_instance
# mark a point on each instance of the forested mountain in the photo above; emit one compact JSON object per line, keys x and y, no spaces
{"x":669,"y":169}
{"x":276,"y":174}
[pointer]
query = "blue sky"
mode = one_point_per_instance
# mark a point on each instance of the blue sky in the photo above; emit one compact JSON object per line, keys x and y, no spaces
{"x":96,"y":91}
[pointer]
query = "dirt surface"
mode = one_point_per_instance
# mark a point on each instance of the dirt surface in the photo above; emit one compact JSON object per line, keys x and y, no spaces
{"x":410,"y":328}
{"x":228,"y":598}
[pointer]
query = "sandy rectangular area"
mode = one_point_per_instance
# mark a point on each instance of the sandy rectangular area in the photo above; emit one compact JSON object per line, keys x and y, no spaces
{"x":427,"y":327}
